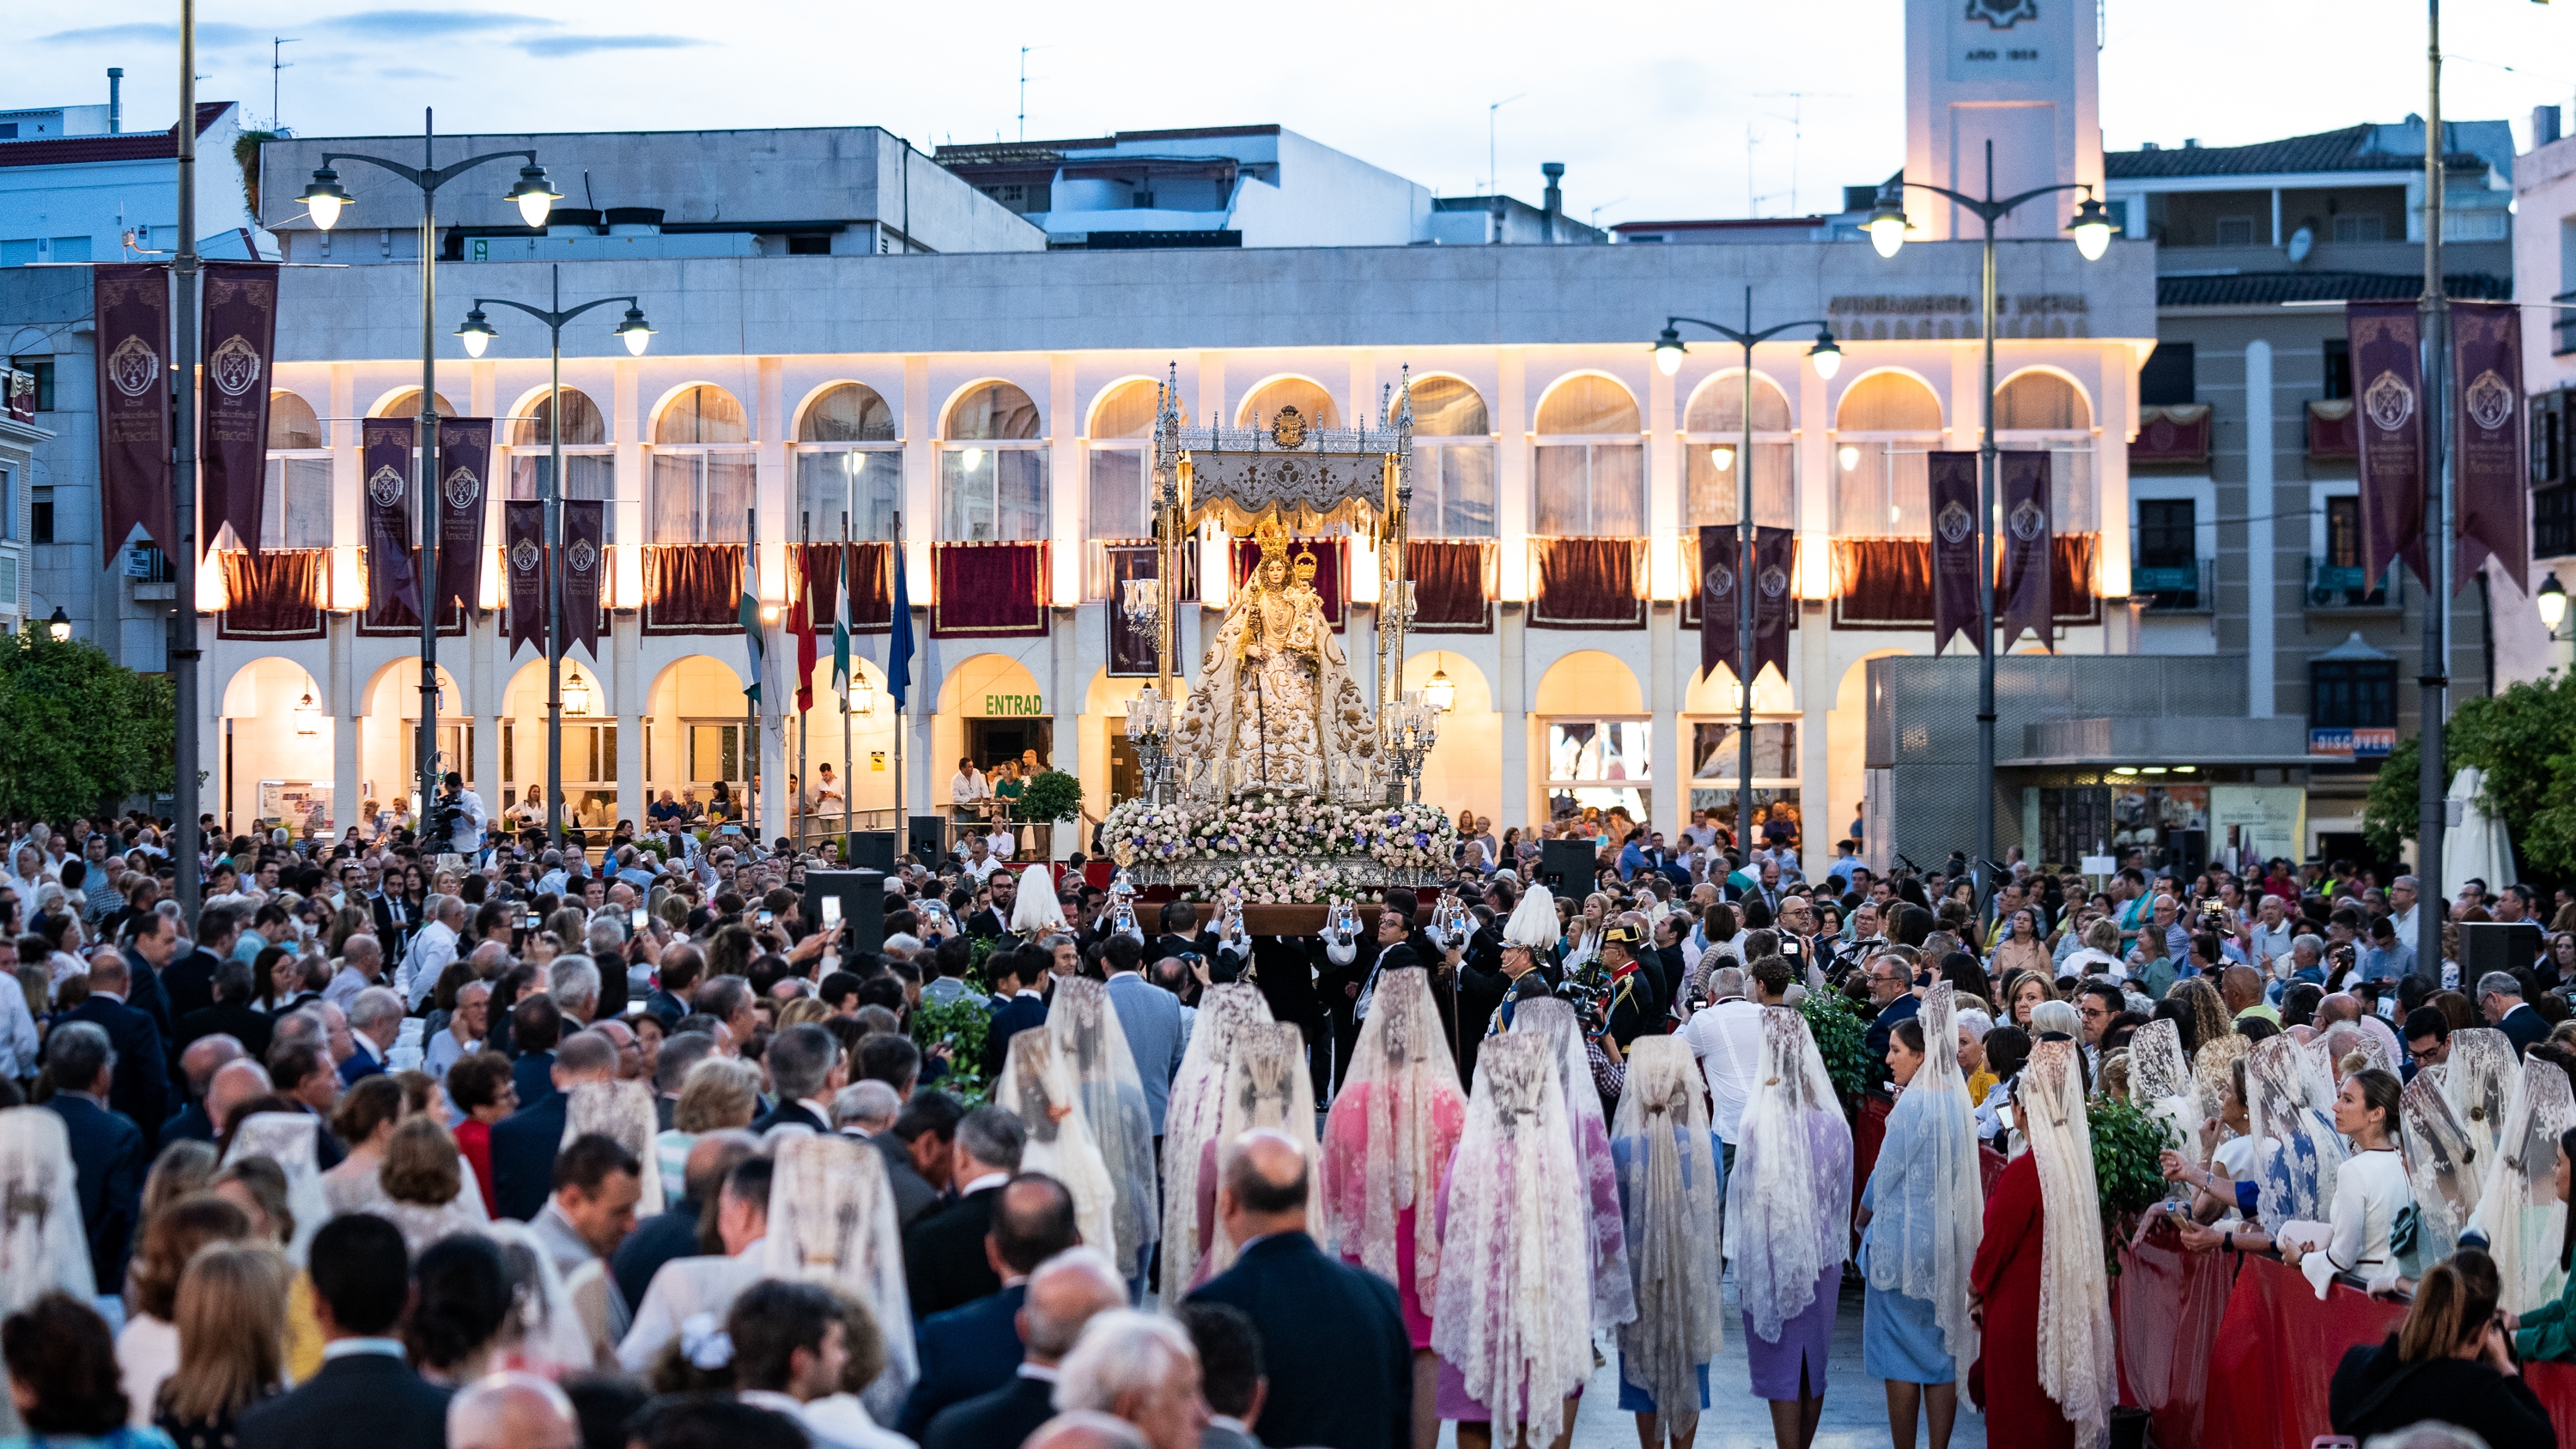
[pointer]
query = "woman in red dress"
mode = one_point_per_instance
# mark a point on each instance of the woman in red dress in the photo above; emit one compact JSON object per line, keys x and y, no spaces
{"x":2045,"y":1373}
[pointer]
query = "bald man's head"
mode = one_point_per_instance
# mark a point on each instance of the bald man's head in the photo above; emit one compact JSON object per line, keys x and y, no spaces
{"x":512,"y":1411}
{"x":1064,"y":1293}
{"x":584,"y":1056}
{"x":203,"y":1056}
{"x":233,"y":1083}
{"x":2240,"y":987}
{"x":1264,"y":1186}
{"x":1085,"y":1429}
{"x":2337,"y":1008}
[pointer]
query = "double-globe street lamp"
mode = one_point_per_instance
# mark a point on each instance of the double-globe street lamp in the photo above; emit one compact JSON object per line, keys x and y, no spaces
{"x":477,"y":333}
{"x":323,"y":199}
{"x":1828,"y":360}
{"x":2092,"y":231}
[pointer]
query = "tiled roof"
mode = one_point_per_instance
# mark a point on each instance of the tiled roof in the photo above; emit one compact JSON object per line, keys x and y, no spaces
{"x":2349,"y":149}
{"x":127,"y":146}
{"x":2254,"y":289}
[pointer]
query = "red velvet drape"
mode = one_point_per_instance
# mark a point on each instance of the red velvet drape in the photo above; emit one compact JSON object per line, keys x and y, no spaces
{"x":989,"y":591}
{"x":693,"y":588}
{"x":1589,"y":583}
{"x":1449,"y":593}
{"x":274,"y":596}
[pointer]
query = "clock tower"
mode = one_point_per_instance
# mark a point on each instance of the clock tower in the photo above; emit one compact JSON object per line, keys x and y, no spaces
{"x":2023,"y":74}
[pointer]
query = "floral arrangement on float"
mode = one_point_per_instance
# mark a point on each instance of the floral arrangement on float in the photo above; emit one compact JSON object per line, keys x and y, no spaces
{"x":1279,"y":849}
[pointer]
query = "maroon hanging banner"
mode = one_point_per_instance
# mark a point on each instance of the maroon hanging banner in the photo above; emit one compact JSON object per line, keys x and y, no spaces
{"x":1953,"y":487}
{"x":1134,"y":653}
{"x":464,"y":461}
{"x":1721,"y":553}
{"x":1775,"y":566}
{"x":385,"y":449}
{"x":585,"y":526}
{"x":2492,"y":501}
{"x":2028,"y":549}
{"x":2388,"y":386}
{"x":132,"y":305}
{"x":240,"y":334}
{"x":523,"y":550}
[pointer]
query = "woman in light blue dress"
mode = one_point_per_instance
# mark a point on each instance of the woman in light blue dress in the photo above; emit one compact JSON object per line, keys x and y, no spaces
{"x":1670,"y":1186}
{"x":1922,"y":1214}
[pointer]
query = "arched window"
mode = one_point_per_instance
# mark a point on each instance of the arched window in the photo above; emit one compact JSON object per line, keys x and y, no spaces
{"x":1591,"y":461}
{"x":1885,"y":426}
{"x":2043,"y":410}
{"x":849,"y":465}
{"x":992,"y":467}
{"x":1453,"y":460}
{"x":1712,"y":435}
{"x":702,"y":470}
{"x":1117,"y":457}
{"x":590,"y":463}
{"x":295,"y":511}
{"x":1311,"y":402}
{"x":406,"y":403}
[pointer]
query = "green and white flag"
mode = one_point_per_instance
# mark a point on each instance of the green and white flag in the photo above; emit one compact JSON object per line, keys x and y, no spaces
{"x":750,"y":617}
{"x":841,"y":633}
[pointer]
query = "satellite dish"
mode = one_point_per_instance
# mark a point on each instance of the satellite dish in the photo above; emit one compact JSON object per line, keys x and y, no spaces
{"x":2300,"y":241}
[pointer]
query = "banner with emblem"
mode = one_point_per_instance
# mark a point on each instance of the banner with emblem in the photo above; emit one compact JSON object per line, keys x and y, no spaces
{"x":1953,"y":487}
{"x":2492,"y":501}
{"x":132,"y":305}
{"x":240,"y":333}
{"x":1775,"y":603}
{"x":2028,"y":547}
{"x":585,"y":561}
{"x":464,"y":463}
{"x":384,"y":455}
{"x":1721,"y":553}
{"x":2388,"y":392}
{"x":523,"y":557}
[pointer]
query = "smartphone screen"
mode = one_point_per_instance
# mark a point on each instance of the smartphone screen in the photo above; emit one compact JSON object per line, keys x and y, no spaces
{"x":730,"y":830}
{"x":637,"y":918}
{"x":831,"y":911}
{"x":765,"y":918}
{"x":529,"y":922}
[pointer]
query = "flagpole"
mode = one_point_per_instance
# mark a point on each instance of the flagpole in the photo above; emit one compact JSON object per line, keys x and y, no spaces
{"x":841,"y":648}
{"x":901,"y":690}
{"x":752,"y":652}
{"x":796,"y":812}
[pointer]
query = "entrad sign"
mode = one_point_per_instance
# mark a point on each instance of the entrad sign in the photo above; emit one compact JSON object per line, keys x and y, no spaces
{"x":1014,"y":704}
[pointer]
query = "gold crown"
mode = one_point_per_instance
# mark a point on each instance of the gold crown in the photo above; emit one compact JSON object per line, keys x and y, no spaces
{"x":1272,"y":535}
{"x":1305,"y":565}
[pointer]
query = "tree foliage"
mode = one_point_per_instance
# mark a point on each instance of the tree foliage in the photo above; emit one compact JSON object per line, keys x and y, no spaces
{"x":2525,"y":741}
{"x":78,"y":731}
{"x":1050,"y":795}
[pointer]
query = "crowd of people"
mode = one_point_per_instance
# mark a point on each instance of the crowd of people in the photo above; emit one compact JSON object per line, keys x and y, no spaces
{"x":478,"y":1143}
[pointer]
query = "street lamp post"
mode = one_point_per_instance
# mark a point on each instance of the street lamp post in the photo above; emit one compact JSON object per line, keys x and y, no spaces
{"x":477,"y":333}
{"x":1828,"y":360}
{"x":2092,"y":230}
{"x":323,"y":198}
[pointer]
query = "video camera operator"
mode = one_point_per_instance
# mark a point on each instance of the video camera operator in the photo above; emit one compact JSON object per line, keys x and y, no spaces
{"x":457,"y":817}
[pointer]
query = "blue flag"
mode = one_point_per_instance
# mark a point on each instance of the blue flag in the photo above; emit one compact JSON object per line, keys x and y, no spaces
{"x":899,"y":645}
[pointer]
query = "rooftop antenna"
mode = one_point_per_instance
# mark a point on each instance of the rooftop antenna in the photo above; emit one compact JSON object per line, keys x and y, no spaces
{"x":1797,"y":131}
{"x":1492,"y":186}
{"x":1024,"y":88}
{"x":277,"y":62}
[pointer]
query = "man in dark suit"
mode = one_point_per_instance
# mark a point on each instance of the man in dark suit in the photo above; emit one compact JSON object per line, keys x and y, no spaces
{"x":197,"y":1067}
{"x":536,"y":1024}
{"x":151,"y":943}
{"x":106,"y":1146}
{"x":1017,"y":977}
{"x":231,"y":1013}
{"x":366,"y":1396}
{"x":1333,"y":1341}
{"x":190,"y":984}
{"x":2500,"y":1002}
{"x":1180,"y":934}
{"x":804,"y":1065}
{"x":395,"y":920}
{"x":142,"y":1088}
{"x":1065,"y":1293}
{"x":944,"y":1261}
{"x":922,"y":1136}
{"x":974,"y":1349}
{"x":674,"y":1231}
{"x":525,"y":1142}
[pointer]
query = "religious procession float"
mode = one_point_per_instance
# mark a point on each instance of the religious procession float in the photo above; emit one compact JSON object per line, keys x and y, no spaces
{"x":1277,"y":777}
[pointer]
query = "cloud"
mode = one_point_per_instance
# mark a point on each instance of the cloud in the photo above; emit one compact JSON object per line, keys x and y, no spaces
{"x":429,"y":24}
{"x":546,"y":47}
{"x":145,"y":32}
{"x":412,"y":72}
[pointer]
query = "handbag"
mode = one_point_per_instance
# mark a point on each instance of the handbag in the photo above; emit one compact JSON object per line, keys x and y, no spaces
{"x":2406,"y":1241}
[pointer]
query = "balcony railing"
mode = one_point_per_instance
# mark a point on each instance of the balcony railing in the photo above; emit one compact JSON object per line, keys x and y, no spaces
{"x":2175,"y":588}
{"x":2344,"y":586}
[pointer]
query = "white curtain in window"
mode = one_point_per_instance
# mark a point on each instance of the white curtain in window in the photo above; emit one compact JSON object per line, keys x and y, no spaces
{"x":829,"y":483}
{"x":295,"y":507}
{"x":992,"y":494}
{"x":1713,"y":490}
{"x":1453,"y":490}
{"x":1117,"y":506}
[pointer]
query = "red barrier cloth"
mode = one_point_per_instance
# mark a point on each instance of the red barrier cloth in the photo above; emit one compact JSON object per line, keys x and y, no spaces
{"x":2166,"y":1308}
{"x":1990,"y":1165}
{"x":693,"y":588}
{"x":1868,"y":1135}
{"x":2555,"y":1383}
{"x":2275,"y":1356}
{"x":1589,"y":583}
{"x":1449,"y":593}
{"x":989,"y":591}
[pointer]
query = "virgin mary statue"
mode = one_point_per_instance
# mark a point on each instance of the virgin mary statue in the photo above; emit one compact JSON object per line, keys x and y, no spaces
{"x":1276,"y":707}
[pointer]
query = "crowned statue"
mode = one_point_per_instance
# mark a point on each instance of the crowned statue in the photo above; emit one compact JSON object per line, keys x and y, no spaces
{"x":1276,"y":708}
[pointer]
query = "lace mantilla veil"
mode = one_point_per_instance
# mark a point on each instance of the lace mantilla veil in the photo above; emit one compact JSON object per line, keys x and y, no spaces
{"x":2444,"y":1166}
{"x":1614,"y":1299}
{"x":1515,"y":1314}
{"x":832,"y":1220}
{"x":2075,"y":1346}
{"x":1393,"y":1127}
{"x":1927,"y":1216}
{"x":547,"y":1325}
{"x":42,"y":1245}
{"x":2296,"y":1166}
{"x":623,"y":1113}
{"x":2518,"y":1204}
{"x":288,"y":1139}
{"x":1089,"y":1040}
{"x":1037,"y":1087}
{"x":1190,"y":1119}
{"x":1788,"y":1206}
{"x":1669,"y":1196}
{"x":2479,"y":1079}
{"x":1269,"y":1085}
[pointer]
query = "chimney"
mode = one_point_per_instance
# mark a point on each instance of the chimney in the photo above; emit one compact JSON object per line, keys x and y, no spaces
{"x":115,"y":99}
{"x":1554,"y":204}
{"x":2544,"y":126}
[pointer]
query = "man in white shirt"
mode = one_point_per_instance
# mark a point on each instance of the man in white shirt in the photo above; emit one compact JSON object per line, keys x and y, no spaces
{"x":2271,"y":934}
{"x":685,"y":1287}
{"x":465,"y":1028}
{"x":362,"y":964}
{"x":1726,"y":1039}
{"x":431,"y":950}
{"x":2401,"y":901}
{"x":465,"y":837}
{"x":967,"y":791}
{"x":980,"y":861}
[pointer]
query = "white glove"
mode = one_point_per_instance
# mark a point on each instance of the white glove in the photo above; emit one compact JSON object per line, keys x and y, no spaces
{"x":1341,"y":950}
